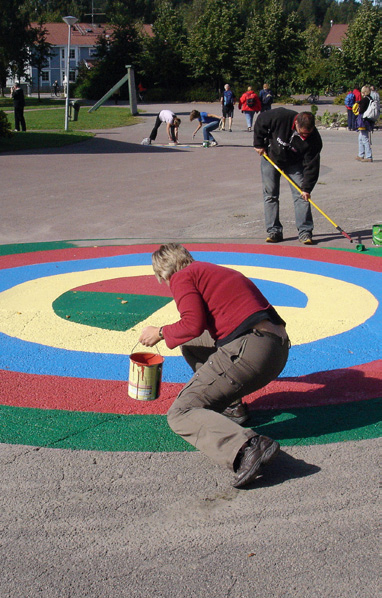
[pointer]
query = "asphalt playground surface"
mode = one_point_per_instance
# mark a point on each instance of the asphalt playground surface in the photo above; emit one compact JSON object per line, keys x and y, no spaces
{"x":99,"y":498}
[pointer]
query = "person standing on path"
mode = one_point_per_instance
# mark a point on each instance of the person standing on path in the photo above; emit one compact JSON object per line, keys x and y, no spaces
{"x":365,"y":127}
{"x":266,"y":98}
{"x":249,"y":104}
{"x":18,"y":105}
{"x":292,"y":141}
{"x":228,"y":102}
{"x":235,"y":342}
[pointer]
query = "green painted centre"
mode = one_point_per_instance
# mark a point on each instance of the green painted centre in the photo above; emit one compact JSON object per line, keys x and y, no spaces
{"x":110,"y":311}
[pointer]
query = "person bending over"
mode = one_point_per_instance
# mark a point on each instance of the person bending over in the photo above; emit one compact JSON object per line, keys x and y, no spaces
{"x":172,"y":125}
{"x":235,"y":342}
{"x":292,"y":141}
{"x":210,"y":122}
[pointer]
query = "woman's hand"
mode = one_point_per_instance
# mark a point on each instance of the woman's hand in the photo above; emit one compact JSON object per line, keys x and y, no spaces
{"x":150,"y":336}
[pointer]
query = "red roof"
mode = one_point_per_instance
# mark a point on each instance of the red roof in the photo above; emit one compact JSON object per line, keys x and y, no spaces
{"x":336,"y":35}
{"x":83,"y":34}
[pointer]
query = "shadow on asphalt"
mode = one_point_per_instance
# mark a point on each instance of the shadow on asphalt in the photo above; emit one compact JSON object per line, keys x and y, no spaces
{"x":284,"y":468}
{"x":358,"y":236}
{"x":325,"y":423}
{"x":98,"y":145}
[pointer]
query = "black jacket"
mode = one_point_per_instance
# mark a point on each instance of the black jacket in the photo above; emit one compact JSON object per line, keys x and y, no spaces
{"x":18,"y":98}
{"x":274,"y":131}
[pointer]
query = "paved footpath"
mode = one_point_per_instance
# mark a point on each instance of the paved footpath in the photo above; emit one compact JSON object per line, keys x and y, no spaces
{"x":99,"y":498}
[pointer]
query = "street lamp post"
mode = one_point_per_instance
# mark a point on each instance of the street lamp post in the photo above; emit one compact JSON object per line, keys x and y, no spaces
{"x":69,"y":21}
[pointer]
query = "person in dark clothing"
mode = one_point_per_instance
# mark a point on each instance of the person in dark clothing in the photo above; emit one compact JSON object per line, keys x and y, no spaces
{"x":18,"y":105}
{"x":364,"y":126}
{"x":266,"y":98}
{"x":292,"y":141}
{"x":228,"y":102}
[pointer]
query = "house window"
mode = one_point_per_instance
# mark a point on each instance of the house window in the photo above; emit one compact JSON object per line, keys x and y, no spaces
{"x":92,"y":51}
{"x":45,"y":76}
{"x":72,"y":54}
{"x":63,"y":54}
{"x":72,"y":76}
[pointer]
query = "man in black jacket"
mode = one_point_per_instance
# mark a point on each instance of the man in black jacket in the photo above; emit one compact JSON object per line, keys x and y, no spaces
{"x":292,"y":141}
{"x":18,"y":105}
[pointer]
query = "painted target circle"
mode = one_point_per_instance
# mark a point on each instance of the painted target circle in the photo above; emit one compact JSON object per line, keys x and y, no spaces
{"x":69,"y":318}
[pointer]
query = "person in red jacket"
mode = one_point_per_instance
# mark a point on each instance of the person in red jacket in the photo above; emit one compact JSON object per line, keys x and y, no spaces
{"x":235,"y":342}
{"x":249,"y":104}
{"x":357,"y":94}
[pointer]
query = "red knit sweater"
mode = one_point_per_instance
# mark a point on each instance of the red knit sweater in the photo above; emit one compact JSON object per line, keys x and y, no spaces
{"x":211,"y":297}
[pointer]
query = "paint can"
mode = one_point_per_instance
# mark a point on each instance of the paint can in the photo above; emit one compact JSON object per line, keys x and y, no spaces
{"x":377,"y":234}
{"x":145,"y":376}
{"x":360,"y":247}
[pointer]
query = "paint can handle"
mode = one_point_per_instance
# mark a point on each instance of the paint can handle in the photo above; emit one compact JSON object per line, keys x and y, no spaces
{"x":156,"y":346}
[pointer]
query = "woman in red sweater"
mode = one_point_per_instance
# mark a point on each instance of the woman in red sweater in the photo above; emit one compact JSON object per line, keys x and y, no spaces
{"x":235,"y":342}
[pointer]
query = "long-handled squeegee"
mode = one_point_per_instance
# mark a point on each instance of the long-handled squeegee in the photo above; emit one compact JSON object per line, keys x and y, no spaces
{"x":310,"y":201}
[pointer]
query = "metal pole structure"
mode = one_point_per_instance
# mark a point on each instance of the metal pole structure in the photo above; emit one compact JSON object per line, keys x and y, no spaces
{"x":69,"y":21}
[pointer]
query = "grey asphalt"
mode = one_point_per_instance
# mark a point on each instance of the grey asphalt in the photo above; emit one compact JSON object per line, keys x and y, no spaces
{"x":78,"y":524}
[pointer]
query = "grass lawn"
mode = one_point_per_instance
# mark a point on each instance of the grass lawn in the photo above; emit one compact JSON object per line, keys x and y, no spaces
{"x":54,"y":119}
{"x":32,"y":103}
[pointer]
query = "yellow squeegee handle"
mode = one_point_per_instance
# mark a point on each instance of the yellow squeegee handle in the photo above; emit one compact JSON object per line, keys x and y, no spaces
{"x":310,"y":200}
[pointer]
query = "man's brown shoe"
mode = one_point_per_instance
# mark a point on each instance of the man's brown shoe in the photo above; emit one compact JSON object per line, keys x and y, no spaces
{"x":260,"y":451}
{"x":237,"y":412}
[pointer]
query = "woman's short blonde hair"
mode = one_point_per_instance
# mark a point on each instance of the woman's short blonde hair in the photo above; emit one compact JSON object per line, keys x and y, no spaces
{"x":365,"y":91}
{"x":170,"y":258}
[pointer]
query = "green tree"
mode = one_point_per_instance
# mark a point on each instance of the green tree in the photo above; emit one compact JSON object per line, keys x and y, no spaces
{"x":15,"y":38}
{"x":306,"y":13}
{"x":362,"y":47}
{"x":114,"y":52}
{"x":271,"y":48}
{"x":162,"y":57}
{"x":41,"y":51}
{"x":312,"y":70}
{"x":211,"y":45}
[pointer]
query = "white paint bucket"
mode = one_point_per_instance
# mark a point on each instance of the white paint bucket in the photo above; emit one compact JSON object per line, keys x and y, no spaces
{"x":145,"y":376}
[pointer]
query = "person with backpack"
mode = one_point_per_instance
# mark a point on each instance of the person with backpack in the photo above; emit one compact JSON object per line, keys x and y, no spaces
{"x":375,"y":96}
{"x":349,"y":103}
{"x":249,"y":104}
{"x":266,"y":98}
{"x":228,"y":102}
{"x":367,"y":115}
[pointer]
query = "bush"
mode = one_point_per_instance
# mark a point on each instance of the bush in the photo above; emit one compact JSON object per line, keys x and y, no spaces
{"x":192,"y":94}
{"x":333,"y":120}
{"x":339,"y":100}
{"x":202,"y":94}
{"x":5,"y":125}
{"x":314,"y":109}
{"x":285,"y":99}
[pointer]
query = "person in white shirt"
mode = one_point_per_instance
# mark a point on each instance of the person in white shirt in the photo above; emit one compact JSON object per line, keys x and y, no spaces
{"x":172,"y":126}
